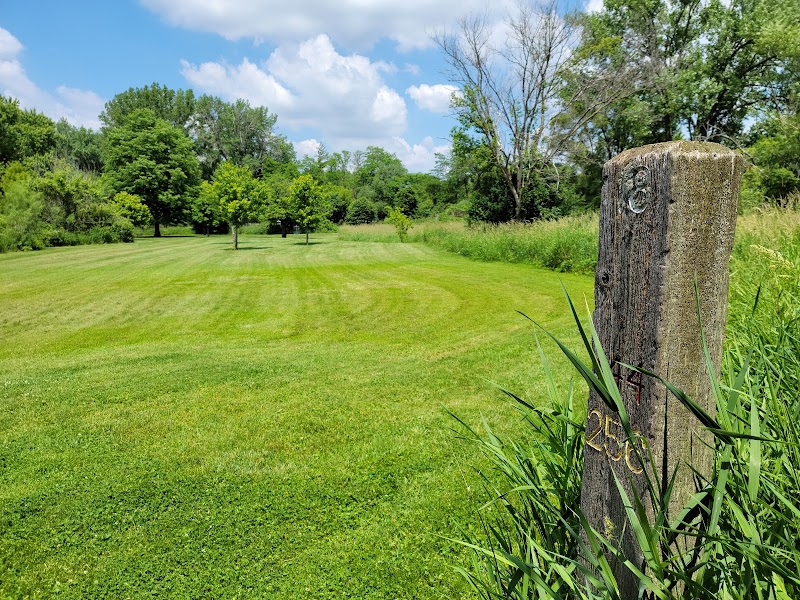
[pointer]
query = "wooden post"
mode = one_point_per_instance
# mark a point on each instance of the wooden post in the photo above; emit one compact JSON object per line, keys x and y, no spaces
{"x":668,"y":215}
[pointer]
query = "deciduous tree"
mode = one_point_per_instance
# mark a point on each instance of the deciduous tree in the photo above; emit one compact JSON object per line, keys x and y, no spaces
{"x":132,"y":208}
{"x":776,"y":154}
{"x":80,"y":146}
{"x":311,"y":208}
{"x":516,"y":93}
{"x":176,"y":107}
{"x":23,"y":133}
{"x":237,"y":194}
{"x":239,"y":133}
{"x":699,"y":68}
{"x":154,"y":160}
{"x":278,"y":204}
{"x":402,"y":223}
{"x":205,"y":208}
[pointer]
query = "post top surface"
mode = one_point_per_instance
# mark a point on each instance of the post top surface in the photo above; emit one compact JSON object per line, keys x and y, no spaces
{"x":677,"y":148}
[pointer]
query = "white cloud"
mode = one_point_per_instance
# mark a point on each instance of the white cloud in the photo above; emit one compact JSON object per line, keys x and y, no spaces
{"x":593,"y":6}
{"x":10,"y":46}
{"x":388,"y":108}
{"x":311,"y":84}
{"x":420,"y":158}
{"x":247,"y":81}
{"x":79,"y":107}
{"x":343,"y":99}
{"x":307,"y":147}
{"x":354,"y":23}
{"x":435,"y":98}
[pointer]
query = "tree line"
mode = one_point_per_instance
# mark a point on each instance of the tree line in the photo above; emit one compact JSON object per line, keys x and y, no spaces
{"x":165,"y":157}
{"x":538,"y":114}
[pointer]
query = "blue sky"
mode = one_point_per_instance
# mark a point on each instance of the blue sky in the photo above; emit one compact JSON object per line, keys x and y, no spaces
{"x":347,"y":74}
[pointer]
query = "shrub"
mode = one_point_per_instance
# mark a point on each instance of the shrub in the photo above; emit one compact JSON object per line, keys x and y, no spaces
{"x":21,"y":225}
{"x":360,"y":211}
{"x":396,"y":217}
{"x":131,"y":207}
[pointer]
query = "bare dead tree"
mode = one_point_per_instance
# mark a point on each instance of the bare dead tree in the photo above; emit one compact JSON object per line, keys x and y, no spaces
{"x":518,"y":92}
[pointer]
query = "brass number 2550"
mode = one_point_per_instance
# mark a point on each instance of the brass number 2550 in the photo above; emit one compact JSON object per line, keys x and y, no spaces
{"x":604,"y":439}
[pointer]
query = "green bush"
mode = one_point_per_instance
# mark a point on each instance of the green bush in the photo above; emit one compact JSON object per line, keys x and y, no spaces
{"x":61,"y":207}
{"x":21,"y":224}
{"x":360,"y":211}
{"x":131,"y":207}
{"x":401,"y":222}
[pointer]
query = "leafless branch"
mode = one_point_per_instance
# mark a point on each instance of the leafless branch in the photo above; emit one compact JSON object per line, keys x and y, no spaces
{"x":517,"y":93}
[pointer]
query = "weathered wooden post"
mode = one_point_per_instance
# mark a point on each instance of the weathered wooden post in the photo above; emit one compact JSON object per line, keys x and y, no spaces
{"x":668,"y":215}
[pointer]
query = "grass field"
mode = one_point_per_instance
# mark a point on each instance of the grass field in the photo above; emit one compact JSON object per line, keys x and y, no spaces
{"x":182,"y":420}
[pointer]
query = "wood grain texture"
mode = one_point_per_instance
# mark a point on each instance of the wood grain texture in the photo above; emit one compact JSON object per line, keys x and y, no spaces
{"x":667,"y":216}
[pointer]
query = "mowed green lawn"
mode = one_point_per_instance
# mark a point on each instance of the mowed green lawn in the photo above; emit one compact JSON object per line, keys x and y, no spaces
{"x":181,"y":420}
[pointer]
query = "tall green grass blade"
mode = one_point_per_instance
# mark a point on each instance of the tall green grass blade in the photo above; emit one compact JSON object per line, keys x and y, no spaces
{"x":599,"y":358}
{"x":718,"y":494}
{"x":754,"y":462}
{"x":637,"y":518}
{"x":548,"y":375}
{"x":699,"y":412}
{"x":586,"y":373}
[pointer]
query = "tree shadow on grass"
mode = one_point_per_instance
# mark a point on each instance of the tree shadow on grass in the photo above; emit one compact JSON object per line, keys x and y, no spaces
{"x":229,"y":246}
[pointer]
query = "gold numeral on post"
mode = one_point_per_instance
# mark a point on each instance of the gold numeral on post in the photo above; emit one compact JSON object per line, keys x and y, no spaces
{"x":613,"y":436}
{"x":591,"y":436}
{"x":604,"y":438}
{"x":634,"y":469}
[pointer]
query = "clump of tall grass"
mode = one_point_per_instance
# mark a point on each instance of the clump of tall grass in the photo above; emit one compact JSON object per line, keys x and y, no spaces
{"x":536,"y":543}
{"x":568,"y":244}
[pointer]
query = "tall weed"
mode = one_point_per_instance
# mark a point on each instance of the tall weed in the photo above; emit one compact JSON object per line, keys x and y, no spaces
{"x":568,"y":244}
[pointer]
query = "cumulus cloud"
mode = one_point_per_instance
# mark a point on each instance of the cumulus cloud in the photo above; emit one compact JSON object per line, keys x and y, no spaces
{"x":311,"y":84}
{"x":10,"y":46}
{"x":593,"y":6}
{"x":79,"y":107}
{"x":343,"y":99}
{"x":307,"y":147}
{"x":420,"y":158}
{"x":353,"y":23}
{"x":435,"y":98}
{"x":246,"y":81}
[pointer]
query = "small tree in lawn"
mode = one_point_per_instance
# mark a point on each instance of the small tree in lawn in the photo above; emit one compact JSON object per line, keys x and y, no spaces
{"x":205,"y":208}
{"x":311,"y":208}
{"x":402,"y":223}
{"x":236,"y":192}
{"x":277,"y":202}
